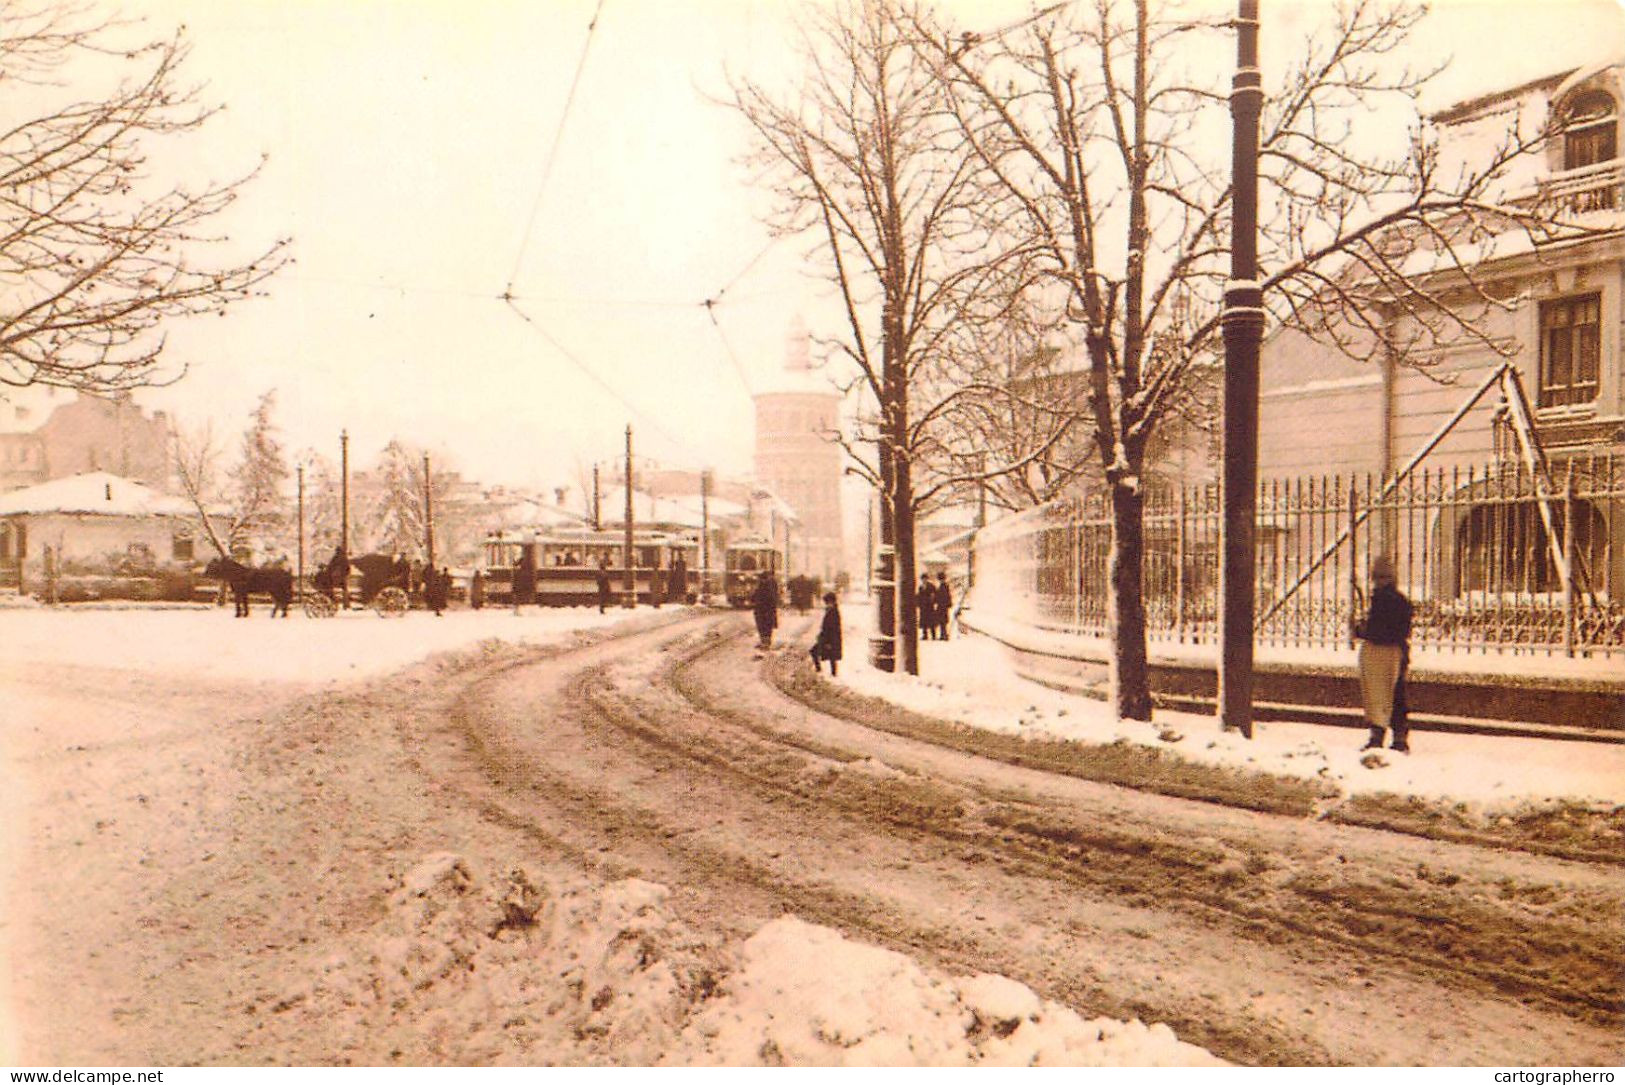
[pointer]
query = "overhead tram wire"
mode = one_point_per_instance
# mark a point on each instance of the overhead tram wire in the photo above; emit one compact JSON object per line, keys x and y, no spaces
{"x":642,"y":415}
{"x":710,"y":306}
{"x":552,"y":151}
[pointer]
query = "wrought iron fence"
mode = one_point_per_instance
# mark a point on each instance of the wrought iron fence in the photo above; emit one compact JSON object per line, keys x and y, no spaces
{"x":1493,"y":557}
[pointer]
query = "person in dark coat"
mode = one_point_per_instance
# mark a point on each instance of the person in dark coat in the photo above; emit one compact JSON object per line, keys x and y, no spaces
{"x":1384,"y":634}
{"x":602,"y":577}
{"x":334,"y":578}
{"x":828,"y":645}
{"x":944,"y":605}
{"x":524,"y":577}
{"x":677,"y":582}
{"x":925,"y":605}
{"x":764,"y":603}
{"x":436,"y":587}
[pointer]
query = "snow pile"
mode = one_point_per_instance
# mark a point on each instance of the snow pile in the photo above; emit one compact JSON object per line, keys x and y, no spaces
{"x":464,"y":967}
{"x":806,"y":996}
{"x":470,"y":969}
{"x":970,"y":680}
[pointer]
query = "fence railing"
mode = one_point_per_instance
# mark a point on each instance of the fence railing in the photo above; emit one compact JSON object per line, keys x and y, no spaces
{"x":1493,"y":558}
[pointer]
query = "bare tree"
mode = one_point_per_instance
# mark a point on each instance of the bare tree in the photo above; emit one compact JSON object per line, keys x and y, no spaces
{"x":259,"y":480}
{"x":864,"y":160}
{"x":394,"y":512}
{"x":1090,"y":121}
{"x":197,"y":469}
{"x":250,"y":494}
{"x":98,"y":248}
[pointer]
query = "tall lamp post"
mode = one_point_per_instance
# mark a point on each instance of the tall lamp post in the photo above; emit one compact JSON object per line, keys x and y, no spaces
{"x":1243,"y":328}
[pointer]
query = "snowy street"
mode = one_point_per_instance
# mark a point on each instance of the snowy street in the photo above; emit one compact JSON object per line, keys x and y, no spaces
{"x":260,"y":842}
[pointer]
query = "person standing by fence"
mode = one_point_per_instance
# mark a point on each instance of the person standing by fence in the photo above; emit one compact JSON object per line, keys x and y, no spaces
{"x":1384,"y":634}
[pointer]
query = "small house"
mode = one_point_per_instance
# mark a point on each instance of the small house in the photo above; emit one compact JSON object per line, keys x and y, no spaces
{"x":98,"y":535}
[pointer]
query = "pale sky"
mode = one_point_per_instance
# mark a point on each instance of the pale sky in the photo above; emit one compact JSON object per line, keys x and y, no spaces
{"x":407,"y":140}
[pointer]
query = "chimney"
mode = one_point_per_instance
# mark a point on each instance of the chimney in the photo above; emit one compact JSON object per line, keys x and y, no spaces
{"x":107,"y":487}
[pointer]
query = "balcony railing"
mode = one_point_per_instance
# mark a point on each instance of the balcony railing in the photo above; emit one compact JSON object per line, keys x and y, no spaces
{"x":1576,"y":192}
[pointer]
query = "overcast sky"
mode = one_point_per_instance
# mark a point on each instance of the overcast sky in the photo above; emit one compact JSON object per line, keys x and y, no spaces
{"x":407,"y":143}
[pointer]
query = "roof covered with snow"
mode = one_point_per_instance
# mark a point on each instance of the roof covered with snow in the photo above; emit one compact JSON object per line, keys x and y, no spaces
{"x":95,"y":492}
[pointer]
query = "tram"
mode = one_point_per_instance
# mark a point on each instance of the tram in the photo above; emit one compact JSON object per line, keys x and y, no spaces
{"x":566,"y":562}
{"x":745,"y":560}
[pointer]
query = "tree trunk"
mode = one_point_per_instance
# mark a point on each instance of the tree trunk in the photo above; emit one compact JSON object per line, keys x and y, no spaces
{"x":908,"y":625}
{"x":1129,"y":675}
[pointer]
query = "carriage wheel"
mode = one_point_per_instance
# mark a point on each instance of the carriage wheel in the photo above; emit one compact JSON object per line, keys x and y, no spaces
{"x":390,"y":603}
{"x":320,"y":605}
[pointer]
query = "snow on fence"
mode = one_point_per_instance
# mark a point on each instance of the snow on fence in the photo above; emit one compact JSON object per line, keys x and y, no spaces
{"x":1494,"y":558}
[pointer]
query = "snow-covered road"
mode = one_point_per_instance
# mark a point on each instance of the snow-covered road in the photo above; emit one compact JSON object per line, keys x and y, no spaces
{"x":639,"y":850}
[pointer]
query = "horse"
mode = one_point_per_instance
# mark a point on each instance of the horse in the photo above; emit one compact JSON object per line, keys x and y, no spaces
{"x":277,"y":583}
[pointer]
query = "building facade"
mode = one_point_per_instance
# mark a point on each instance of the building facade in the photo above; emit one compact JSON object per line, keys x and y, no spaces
{"x":1476,"y":489}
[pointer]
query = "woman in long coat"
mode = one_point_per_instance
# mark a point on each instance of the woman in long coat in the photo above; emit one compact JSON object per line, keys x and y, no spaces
{"x":764,"y":603}
{"x":828,"y":644}
{"x":1384,"y":635}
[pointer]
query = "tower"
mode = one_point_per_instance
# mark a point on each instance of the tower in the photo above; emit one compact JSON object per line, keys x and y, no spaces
{"x":798,"y":458}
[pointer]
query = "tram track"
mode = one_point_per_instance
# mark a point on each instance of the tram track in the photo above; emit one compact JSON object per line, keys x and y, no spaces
{"x":663,"y":754}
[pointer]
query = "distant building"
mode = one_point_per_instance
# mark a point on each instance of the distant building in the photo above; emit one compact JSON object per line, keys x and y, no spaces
{"x":798,"y":460}
{"x":50,"y":433}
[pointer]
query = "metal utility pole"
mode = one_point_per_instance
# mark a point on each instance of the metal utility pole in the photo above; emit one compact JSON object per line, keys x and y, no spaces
{"x":344,"y":514}
{"x":705,"y":536}
{"x":1243,"y":327}
{"x":869,"y":550}
{"x":299,"y":583}
{"x":596,"y":523}
{"x":428,"y":515}
{"x":631,"y":599}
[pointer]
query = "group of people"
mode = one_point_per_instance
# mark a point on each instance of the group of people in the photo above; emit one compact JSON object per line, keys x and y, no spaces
{"x":764,"y":605}
{"x":934,"y":604}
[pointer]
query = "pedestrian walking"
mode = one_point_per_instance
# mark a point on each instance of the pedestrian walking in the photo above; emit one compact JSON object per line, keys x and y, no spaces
{"x":827,"y":648}
{"x":1384,"y":633}
{"x":944,"y":605}
{"x":764,"y":604}
{"x":476,"y":590}
{"x":602,"y":577}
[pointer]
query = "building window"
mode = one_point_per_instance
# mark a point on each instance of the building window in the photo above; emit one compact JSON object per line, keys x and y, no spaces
{"x":1570,"y":350}
{"x":1590,"y":130}
{"x":181,"y":548}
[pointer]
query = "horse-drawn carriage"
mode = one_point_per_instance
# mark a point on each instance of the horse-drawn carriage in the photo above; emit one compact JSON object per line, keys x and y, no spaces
{"x":383,"y":582}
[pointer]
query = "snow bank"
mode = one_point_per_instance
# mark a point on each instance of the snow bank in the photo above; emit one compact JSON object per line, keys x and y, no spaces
{"x":472,"y":968}
{"x":970,"y":680}
{"x":805,"y":995}
{"x":211,"y":643}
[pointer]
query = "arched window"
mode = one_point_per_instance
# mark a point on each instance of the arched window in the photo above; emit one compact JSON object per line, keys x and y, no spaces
{"x":1590,"y":130}
{"x":1503,"y":549}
